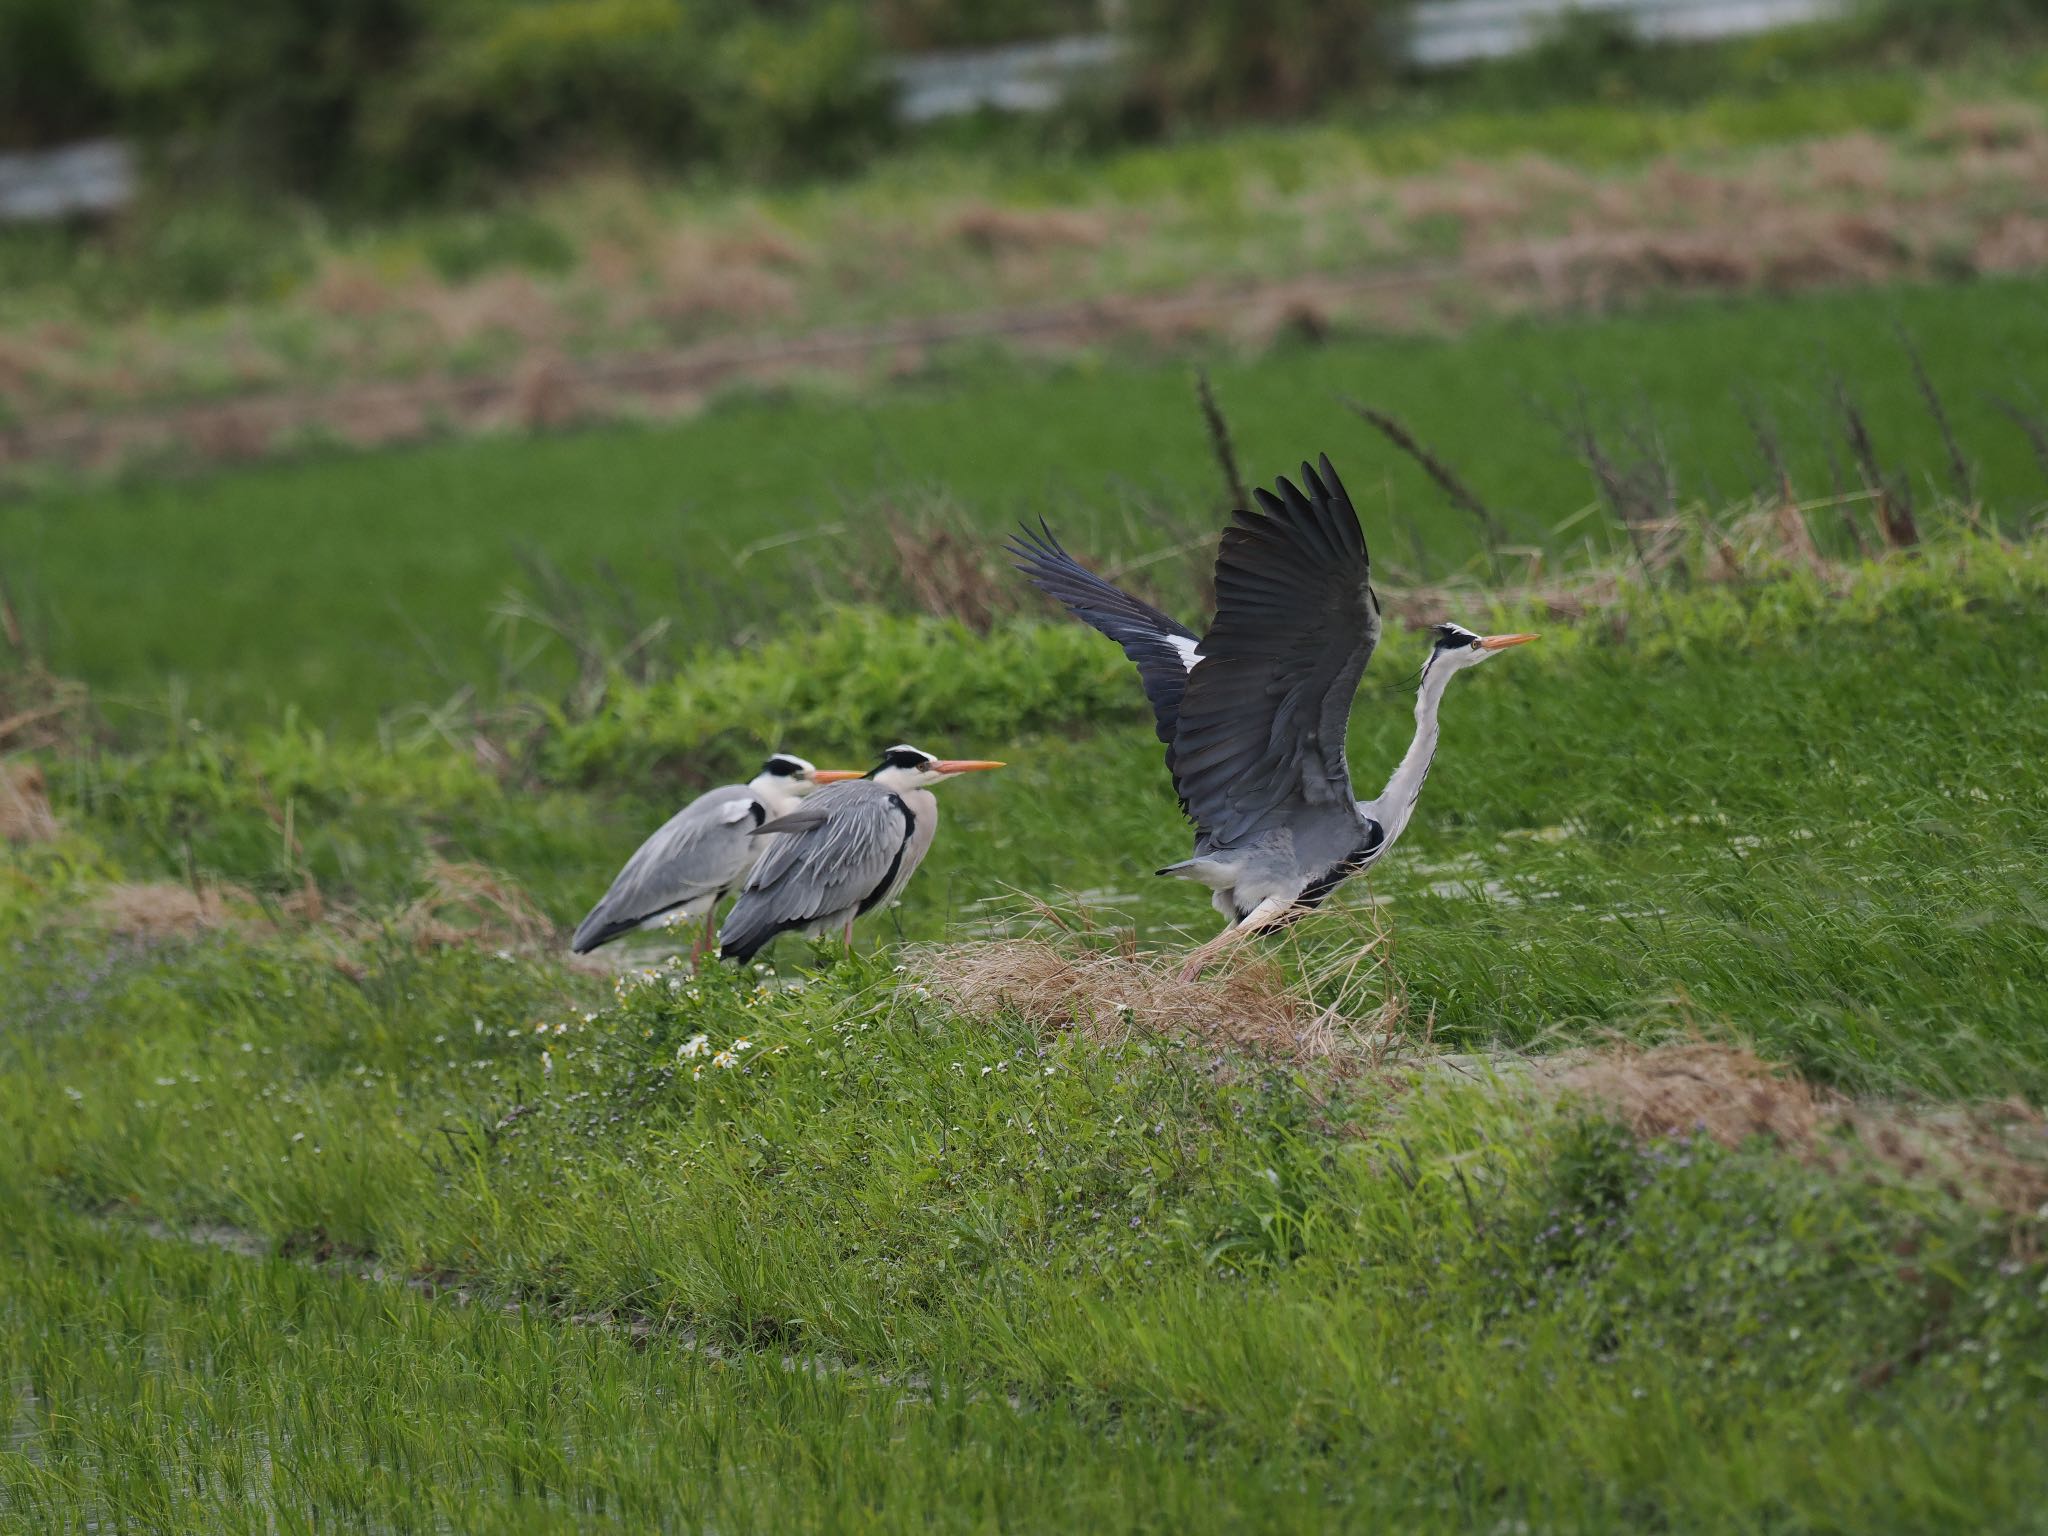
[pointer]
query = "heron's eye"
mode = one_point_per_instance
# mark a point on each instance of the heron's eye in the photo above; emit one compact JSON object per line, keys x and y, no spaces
{"x":1473,"y":643}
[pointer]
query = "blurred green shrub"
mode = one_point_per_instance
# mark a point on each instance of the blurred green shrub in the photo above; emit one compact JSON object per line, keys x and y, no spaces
{"x":799,"y":94}
{"x":1224,"y":59}
{"x":270,"y":92}
{"x":915,"y":24}
{"x":53,"y":75}
{"x":388,"y":101}
{"x":1932,"y":26}
{"x":541,"y":82}
{"x":851,"y":684}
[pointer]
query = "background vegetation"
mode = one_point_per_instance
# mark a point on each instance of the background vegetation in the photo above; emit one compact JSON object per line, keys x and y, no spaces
{"x":386,"y":102}
{"x":1653,"y":1142}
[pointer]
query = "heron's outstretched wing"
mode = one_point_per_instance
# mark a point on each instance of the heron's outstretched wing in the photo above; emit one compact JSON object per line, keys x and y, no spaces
{"x":1263,"y":716}
{"x":701,"y":850}
{"x":1163,"y":648}
{"x":837,"y":852}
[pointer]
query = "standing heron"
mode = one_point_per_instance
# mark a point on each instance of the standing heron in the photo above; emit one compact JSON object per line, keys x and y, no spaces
{"x":700,"y":855}
{"x":843,"y":853}
{"x":1254,"y":713}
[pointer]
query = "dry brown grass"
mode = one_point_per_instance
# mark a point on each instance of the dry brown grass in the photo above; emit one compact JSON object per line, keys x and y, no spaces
{"x":163,"y":909}
{"x":25,"y":815}
{"x":464,"y":906}
{"x":700,"y":280}
{"x":1674,"y":1090}
{"x":738,"y":297}
{"x":1345,"y":1013}
{"x":993,"y":230}
{"x":38,"y":710}
{"x":1993,"y":1155}
{"x":470,"y":904}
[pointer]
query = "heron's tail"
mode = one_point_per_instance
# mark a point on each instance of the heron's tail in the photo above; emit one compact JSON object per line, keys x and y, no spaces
{"x":748,"y":927}
{"x":1203,"y":869}
{"x":600,"y":927}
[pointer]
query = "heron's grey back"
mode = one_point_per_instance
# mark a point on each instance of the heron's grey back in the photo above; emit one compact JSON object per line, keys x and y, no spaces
{"x":845,"y":846}
{"x":703,"y":849}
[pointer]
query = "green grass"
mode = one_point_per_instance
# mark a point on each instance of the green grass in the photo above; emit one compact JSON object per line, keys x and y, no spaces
{"x":908,"y":1268}
{"x":1816,"y":822}
{"x":1399,"y":1367}
{"x":195,"y":255}
{"x":905,"y":1268}
{"x":341,"y":587}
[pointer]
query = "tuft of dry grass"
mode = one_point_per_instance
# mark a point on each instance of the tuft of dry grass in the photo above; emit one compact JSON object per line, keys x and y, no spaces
{"x":1992,"y":1155}
{"x":464,"y":905}
{"x":992,"y":230}
{"x":1108,"y":995}
{"x":25,"y":815}
{"x":1674,"y":1090}
{"x":471,"y":904}
{"x":1344,"y":1012}
{"x":38,"y":709}
{"x":163,"y":909}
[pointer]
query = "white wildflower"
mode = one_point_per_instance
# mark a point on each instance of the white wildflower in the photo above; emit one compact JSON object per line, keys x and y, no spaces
{"x":696,"y":1045}
{"x":743,"y":1044}
{"x":725,"y":1059}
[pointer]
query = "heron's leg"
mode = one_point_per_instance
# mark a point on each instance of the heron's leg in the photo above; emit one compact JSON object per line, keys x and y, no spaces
{"x":707,"y":941}
{"x":1264,"y":915}
{"x":847,"y":934}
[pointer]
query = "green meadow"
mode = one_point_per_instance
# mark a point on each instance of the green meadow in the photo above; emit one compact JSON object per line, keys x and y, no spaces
{"x":333,"y":1197}
{"x":343,"y":587}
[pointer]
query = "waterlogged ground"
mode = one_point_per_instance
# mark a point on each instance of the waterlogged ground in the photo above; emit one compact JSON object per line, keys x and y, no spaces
{"x":479,"y":1243}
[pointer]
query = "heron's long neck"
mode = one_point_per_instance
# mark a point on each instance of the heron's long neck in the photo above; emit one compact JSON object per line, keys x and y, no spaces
{"x":774,"y":794}
{"x":1397,"y":801}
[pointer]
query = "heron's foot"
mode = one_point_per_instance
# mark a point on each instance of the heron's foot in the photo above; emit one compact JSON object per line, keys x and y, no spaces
{"x":1204,"y":953}
{"x":1263,"y":916}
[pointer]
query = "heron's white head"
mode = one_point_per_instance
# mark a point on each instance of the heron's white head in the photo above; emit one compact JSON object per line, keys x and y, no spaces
{"x":790,"y":777}
{"x":1457,"y":648}
{"x":906,"y":767}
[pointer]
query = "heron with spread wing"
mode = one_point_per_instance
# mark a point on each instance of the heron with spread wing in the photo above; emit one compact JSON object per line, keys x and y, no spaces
{"x":1254,"y":713}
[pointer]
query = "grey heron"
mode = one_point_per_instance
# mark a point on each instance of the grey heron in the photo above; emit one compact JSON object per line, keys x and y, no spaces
{"x":701,"y":854}
{"x":843,"y":853}
{"x":1253,"y":714}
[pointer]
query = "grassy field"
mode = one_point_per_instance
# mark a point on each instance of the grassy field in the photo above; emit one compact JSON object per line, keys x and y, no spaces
{"x":1652,"y":1143}
{"x":343,"y":587}
{"x":487,"y":1246}
{"x":209,"y":295}
{"x":1575,"y":188}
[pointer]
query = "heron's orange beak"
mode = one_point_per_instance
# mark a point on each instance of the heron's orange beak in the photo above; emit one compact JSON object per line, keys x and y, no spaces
{"x":965,"y":765}
{"x":834,"y":775}
{"x":1502,"y":642}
